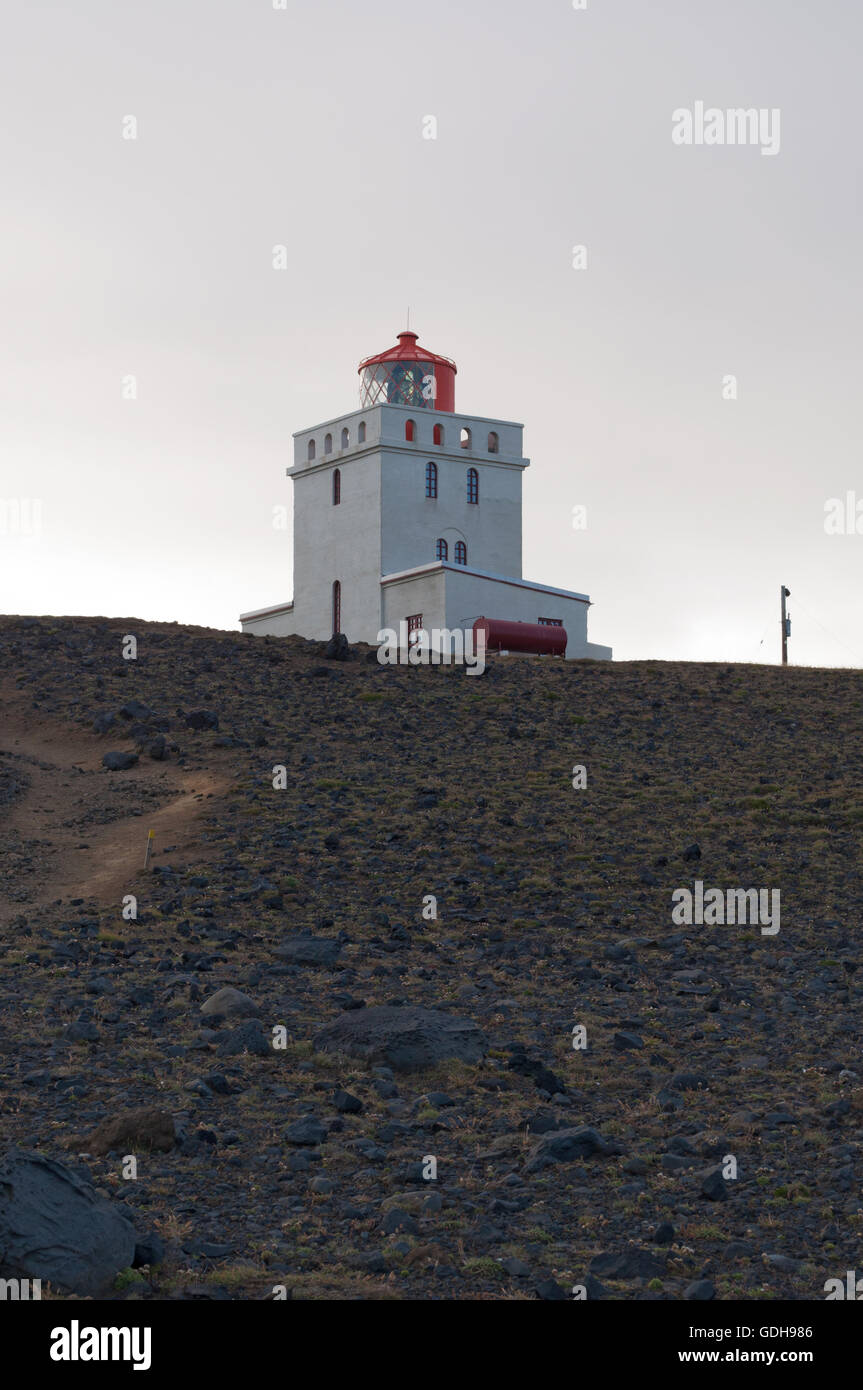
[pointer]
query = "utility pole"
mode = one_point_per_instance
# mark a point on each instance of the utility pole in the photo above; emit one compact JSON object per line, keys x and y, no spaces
{"x":786,"y":625}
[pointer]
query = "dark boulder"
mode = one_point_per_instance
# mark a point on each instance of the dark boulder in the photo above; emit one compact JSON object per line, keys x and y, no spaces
{"x":630,"y":1264}
{"x":307,"y":1131}
{"x":119,"y":762}
{"x":55,"y":1226}
{"x":150,"y":1250}
{"x":568,"y":1146}
{"x":202,"y":719}
{"x":249,"y":1038}
{"x":403,"y":1037}
{"x":337,"y":648}
{"x":310,"y":950}
{"x":134,"y":709}
{"x":539,"y":1073}
{"x":714,"y":1186}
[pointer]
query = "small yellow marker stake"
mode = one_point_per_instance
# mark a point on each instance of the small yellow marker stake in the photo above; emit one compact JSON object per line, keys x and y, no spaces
{"x":150,"y":834}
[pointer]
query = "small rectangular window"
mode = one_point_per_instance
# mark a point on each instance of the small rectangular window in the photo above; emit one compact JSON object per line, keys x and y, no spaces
{"x":551,"y":622}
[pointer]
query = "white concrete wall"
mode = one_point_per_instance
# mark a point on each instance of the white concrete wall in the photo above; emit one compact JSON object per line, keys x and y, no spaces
{"x":338,"y":542}
{"x":412,"y":523}
{"x":386,"y":424}
{"x":351,"y":422}
{"x":385,"y":523}
{"x":470,"y":596}
{"x":392,"y":431}
{"x":279,"y":623}
{"x":425,"y":594}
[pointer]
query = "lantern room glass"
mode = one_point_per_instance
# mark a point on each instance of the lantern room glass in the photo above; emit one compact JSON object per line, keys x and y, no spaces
{"x":399,"y":383}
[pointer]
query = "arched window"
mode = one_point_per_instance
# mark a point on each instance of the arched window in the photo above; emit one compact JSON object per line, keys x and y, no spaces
{"x":337,"y":607}
{"x":442,"y":550}
{"x":460,"y":553}
{"x":438,"y":434}
{"x":328,"y":443}
{"x":493,"y":442}
{"x":465,"y":437}
{"x":337,"y":486}
{"x":311,"y":453}
{"x":410,"y":431}
{"x":472,"y":485}
{"x":431,"y":480}
{"x":346,"y":438}
{"x":361,"y":432}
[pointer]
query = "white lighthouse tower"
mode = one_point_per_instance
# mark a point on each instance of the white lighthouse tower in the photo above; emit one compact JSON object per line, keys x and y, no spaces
{"x":405,"y":510}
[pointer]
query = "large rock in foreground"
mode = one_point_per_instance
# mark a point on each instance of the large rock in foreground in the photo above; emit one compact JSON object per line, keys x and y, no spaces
{"x":403,"y":1038}
{"x":55,"y":1226}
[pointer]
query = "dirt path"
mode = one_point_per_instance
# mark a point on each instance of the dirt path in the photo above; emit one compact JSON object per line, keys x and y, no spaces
{"x":79,"y":831}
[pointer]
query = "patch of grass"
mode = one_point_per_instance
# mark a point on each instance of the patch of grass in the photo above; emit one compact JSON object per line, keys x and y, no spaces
{"x":484,"y":1265}
{"x":539,"y":1235}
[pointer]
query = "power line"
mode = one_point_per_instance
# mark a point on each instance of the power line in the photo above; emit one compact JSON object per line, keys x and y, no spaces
{"x":767,"y":625}
{"x":826,"y":630}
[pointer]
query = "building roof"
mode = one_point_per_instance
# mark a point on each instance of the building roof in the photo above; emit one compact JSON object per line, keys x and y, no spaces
{"x":481,"y":574}
{"x":407,"y":349}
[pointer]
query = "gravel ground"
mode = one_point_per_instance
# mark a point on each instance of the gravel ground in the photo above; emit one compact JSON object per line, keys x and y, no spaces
{"x":701,"y":1139}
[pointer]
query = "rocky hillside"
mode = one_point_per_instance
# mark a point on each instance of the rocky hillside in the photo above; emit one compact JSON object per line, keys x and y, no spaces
{"x":332,"y":1019}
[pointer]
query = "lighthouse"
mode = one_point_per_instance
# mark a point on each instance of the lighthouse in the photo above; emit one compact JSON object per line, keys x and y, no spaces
{"x":405,"y":510}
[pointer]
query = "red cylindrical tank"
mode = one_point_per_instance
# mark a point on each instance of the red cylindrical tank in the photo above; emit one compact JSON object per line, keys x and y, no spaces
{"x":539,"y":638}
{"x":408,"y":374}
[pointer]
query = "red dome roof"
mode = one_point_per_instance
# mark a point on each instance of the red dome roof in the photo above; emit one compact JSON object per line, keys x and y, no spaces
{"x":408,"y":350}
{"x":388,"y":378}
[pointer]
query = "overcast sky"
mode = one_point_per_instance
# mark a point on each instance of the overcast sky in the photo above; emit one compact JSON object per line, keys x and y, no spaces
{"x":303,"y":127}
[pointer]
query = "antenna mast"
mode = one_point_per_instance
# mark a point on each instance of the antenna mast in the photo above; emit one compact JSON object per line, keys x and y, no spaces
{"x":786,"y":625}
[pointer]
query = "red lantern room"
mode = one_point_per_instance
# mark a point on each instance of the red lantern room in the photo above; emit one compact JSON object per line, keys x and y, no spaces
{"x":408,"y":375}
